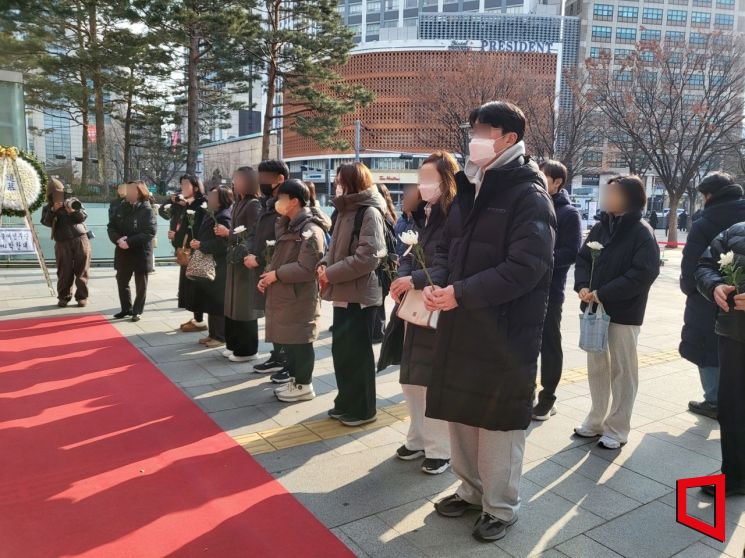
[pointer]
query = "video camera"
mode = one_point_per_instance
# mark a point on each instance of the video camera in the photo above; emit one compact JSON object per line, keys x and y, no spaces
{"x":73,"y":204}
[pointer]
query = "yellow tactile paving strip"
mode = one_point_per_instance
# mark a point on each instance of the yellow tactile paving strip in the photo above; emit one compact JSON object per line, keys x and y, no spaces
{"x":325,"y":429}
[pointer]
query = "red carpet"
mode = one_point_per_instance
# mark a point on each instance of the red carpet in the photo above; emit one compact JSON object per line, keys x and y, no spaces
{"x":101,"y":455}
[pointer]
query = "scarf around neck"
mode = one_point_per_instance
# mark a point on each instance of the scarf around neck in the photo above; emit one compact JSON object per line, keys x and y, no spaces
{"x":474,"y":173}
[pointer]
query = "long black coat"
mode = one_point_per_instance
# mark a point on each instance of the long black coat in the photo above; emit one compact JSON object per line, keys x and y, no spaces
{"x":497,"y":252}
{"x":729,"y":324}
{"x":137,"y":223}
{"x":568,"y":242}
{"x":256,"y":245}
{"x":209,"y":296}
{"x":418,"y":353}
{"x":183,"y":235}
{"x":241,"y":281}
{"x":624,"y":272}
{"x":698,"y":341}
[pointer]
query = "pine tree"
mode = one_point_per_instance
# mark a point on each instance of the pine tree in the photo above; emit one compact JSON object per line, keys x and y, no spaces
{"x":203,"y":36}
{"x":301,"y":45}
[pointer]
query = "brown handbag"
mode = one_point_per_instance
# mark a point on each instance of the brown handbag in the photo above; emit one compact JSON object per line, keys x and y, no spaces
{"x":201,"y":267}
{"x":183,"y":254}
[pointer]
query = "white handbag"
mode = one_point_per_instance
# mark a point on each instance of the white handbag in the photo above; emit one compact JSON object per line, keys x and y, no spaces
{"x":412,"y":310}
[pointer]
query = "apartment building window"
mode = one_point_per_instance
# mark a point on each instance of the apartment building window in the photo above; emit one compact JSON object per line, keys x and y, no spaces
{"x":601,"y":34}
{"x":677,"y":17}
{"x":373,"y":7}
{"x":593,"y":158}
{"x":598,"y":52}
{"x":602,"y":12}
{"x":650,"y":35}
{"x":652,"y":15}
{"x":678,"y":2}
{"x":411,"y":21}
{"x":356,"y":28}
{"x":628,"y":14}
{"x":647,"y":55}
{"x":696,"y":81}
{"x":391,"y":5}
{"x":724,"y":21}
{"x":726,"y":4}
{"x":700,"y":19}
{"x":698,"y":39}
{"x":355,"y":9}
{"x":625,"y":35}
{"x":675,"y":37}
{"x":426,"y":3}
{"x":411,"y":4}
{"x":623,"y":53}
{"x":702,"y":3}
{"x":373,"y":28}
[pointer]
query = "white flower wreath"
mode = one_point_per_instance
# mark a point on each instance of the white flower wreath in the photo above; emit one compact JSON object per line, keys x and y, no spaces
{"x":30,"y":181}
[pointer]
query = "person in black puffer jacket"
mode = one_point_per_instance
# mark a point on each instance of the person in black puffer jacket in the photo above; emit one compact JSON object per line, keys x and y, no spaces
{"x":72,"y":249}
{"x":730,"y":327}
{"x":132,"y":228}
{"x":493,"y":271}
{"x":568,"y":241}
{"x":627,"y":265}
{"x":723,"y":208}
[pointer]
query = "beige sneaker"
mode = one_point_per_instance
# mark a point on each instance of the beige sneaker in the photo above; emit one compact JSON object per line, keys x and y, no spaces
{"x":214,"y":344}
{"x":296,"y":392}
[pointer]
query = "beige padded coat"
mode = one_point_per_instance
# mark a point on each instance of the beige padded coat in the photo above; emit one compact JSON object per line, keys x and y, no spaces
{"x":351,"y":262}
{"x":293,"y":305}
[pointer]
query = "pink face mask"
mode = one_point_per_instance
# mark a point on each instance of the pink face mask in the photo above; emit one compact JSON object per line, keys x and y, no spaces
{"x":429,"y":191}
{"x":481,"y":150}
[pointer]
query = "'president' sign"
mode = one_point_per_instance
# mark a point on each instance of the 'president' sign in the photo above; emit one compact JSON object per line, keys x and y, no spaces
{"x":519,"y":46}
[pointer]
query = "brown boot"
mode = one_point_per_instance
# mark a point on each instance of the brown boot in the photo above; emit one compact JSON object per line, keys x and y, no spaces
{"x":205,"y":340}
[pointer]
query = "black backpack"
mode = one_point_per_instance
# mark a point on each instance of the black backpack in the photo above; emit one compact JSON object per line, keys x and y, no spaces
{"x":386,"y":270}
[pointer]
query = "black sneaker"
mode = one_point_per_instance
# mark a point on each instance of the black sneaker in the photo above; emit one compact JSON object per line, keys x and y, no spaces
{"x":543,"y":410}
{"x":335,"y":413}
{"x":454,"y":506}
{"x":348,"y":420}
{"x":407,"y":455}
{"x":488,"y":528}
{"x":703,"y":408}
{"x":435,"y":466}
{"x":281,"y":377}
{"x":272,"y":364}
{"x":121,"y":315}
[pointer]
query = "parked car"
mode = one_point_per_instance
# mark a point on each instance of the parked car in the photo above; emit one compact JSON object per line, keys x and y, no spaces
{"x":662,"y":217}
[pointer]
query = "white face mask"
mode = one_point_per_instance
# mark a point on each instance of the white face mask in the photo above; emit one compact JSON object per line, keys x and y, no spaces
{"x":429,"y":191}
{"x":481,"y":150}
{"x":339,"y":190}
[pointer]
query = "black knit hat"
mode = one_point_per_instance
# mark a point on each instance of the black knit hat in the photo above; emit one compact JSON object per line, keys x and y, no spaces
{"x":716,"y":181}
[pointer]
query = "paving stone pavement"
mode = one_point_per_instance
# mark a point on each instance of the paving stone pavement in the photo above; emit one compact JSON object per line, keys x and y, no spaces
{"x":578,"y":500}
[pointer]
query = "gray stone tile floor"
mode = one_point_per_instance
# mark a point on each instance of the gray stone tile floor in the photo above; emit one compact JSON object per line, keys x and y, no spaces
{"x":578,"y":500}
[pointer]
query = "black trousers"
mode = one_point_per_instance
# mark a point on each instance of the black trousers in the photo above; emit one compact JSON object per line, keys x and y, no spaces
{"x":731,"y":405}
{"x":301,"y":360}
{"x":216,"y":327}
{"x":242,"y":337}
{"x":354,"y":361}
{"x":552,"y":356}
{"x":123,"y":277}
{"x":379,"y":329}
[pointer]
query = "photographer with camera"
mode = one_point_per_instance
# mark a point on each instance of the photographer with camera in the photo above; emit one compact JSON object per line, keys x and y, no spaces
{"x":66,"y":217}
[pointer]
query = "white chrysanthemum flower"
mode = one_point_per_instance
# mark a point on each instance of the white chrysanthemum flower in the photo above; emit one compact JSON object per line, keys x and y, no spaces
{"x":167,"y":206}
{"x":382,"y":253}
{"x":204,"y":205}
{"x":190,"y":212}
{"x":271,"y":242}
{"x":239,"y":229}
{"x":595,"y":245}
{"x":307,"y":234}
{"x":409,"y":237}
{"x":726,"y":259}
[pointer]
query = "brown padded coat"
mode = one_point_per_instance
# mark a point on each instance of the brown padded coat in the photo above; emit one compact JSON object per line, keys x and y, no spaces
{"x":293,"y":305}
{"x":351,"y":262}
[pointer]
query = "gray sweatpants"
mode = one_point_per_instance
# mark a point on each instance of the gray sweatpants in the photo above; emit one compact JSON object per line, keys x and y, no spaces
{"x":489,"y":464}
{"x":614,"y":374}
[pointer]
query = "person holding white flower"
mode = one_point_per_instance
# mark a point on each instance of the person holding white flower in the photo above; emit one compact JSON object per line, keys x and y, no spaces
{"x":348,"y":278}
{"x":209,"y":296}
{"x":293,"y":303}
{"x":241,"y":321}
{"x":427,"y":437}
{"x":616,"y":268}
{"x":721,"y":279}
